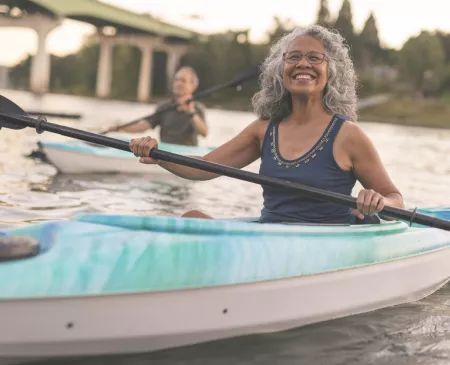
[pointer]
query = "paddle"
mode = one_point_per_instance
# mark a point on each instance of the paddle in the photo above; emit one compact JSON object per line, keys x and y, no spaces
{"x":56,"y":114}
{"x":237,"y":81}
{"x":12,"y":116}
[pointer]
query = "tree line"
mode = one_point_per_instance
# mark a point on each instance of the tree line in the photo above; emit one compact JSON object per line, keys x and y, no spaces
{"x":420,"y":67}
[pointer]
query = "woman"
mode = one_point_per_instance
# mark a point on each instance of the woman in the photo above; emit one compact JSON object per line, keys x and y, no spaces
{"x":305,"y":133}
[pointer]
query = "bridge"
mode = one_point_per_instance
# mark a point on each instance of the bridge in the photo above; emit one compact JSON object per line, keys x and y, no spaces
{"x":113,"y":26}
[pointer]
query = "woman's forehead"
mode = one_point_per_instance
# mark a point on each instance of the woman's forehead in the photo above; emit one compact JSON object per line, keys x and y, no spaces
{"x":306,"y":43}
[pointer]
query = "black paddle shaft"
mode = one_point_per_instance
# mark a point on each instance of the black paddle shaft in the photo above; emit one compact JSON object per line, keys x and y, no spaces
{"x":21,"y":121}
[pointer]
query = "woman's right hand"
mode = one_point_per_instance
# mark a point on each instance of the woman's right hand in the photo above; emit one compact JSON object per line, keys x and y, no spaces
{"x":141,"y":148}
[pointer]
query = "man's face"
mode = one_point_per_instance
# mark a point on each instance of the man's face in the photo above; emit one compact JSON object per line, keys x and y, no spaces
{"x":183,"y":83}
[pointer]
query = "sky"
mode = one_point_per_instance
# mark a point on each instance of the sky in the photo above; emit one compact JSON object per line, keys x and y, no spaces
{"x":397,"y":20}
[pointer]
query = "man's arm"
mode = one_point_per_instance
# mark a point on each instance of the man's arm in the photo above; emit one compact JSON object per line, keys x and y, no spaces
{"x":199,"y":121}
{"x":144,"y":124}
{"x":137,"y":127}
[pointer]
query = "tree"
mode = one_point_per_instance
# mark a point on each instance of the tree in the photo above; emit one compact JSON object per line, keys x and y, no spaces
{"x":369,"y":34}
{"x":445,"y":39}
{"x":19,"y":75}
{"x":369,"y":42}
{"x":344,"y":22}
{"x":323,"y":15}
{"x":220,"y":58}
{"x":422,"y":62}
{"x":125,"y":72}
{"x":344,"y":25}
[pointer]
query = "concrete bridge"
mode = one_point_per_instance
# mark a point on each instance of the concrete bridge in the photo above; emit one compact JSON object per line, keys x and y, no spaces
{"x":114,"y":26}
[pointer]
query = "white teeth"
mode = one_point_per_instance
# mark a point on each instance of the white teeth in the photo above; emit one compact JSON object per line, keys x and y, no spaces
{"x":306,"y":77}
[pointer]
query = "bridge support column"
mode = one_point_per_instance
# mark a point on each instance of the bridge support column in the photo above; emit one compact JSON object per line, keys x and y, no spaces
{"x":40,"y":63}
{"x":104,"y":69}
{"x":145,"y":75}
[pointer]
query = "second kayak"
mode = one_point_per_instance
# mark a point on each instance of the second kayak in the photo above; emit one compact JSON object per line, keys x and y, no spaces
{"x":77,"y":157}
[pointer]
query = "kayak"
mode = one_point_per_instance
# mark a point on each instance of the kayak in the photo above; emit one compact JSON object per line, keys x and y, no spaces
{"x":77,"y":157}
{"x":100,"y":284}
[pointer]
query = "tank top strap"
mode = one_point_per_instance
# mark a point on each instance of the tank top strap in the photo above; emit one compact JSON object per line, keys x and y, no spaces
{"x":335,"y":125}
{"x":266,"y":145}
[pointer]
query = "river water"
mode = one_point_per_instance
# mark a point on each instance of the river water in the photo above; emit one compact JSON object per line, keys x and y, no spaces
{"x":417,"y":160}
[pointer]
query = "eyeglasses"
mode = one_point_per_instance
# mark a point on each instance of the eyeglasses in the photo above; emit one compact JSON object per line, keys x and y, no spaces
{"x":294,"y":57}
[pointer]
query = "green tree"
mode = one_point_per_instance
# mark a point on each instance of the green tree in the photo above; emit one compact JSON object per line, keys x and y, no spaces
{"x":220,"y":58}
{"x":323,"y":15}
{"x":369,"y":34}
{"x":63,"y":73}
{"x":125,"y":72}
{"x":86,"y":69}
{"x":344,"y":21}
{"x":389,"y":57}
{"x":445,"y":39}
{"x":369,"y":42}
{"x":19,"y":75}
{"x":344,"y":24}
{"x":422,"y":62}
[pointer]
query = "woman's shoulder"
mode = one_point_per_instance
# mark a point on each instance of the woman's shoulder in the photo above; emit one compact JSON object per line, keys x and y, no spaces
{"x":353,"y":136}
{"x":260,"y":123}
{"x":258,"y":127}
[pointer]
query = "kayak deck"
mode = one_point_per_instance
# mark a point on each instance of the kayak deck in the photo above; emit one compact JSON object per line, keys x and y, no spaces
{"x":108,"y":254}
{"x":105,"y":284}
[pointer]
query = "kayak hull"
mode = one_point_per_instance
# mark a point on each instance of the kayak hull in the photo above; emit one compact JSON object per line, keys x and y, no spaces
{"x":139,"y":323}
{"x":81,"y":158}
{"x":71,"y":162}
{"x":106,"y":284}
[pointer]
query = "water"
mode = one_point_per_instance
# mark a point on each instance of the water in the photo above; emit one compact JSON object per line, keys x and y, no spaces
{"x":417,"y":160}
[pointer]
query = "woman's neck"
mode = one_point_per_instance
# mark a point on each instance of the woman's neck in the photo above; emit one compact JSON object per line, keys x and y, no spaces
{"x":306,"y":110}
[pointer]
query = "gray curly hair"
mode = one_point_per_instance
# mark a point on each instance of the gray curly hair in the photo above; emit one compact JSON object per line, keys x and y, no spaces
{"x":273,"y":101}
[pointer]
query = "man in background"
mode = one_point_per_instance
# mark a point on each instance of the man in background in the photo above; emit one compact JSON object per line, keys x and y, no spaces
{"x":184,"y":124}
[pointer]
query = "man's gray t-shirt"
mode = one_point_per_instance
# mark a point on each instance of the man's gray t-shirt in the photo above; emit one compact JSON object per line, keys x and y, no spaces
{"x":177,"y":126}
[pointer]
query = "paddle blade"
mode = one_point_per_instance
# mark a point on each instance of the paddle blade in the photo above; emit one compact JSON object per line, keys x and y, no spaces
{"x":9,"y":106}
{"x":7,"y":111}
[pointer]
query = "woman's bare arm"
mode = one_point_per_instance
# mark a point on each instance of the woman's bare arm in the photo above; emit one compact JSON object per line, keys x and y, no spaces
{"x":238,"y":152}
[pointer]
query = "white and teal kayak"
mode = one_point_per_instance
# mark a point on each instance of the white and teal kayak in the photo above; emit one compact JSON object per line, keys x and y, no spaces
{"x":110,"y":284}
{"x":77,"y":157}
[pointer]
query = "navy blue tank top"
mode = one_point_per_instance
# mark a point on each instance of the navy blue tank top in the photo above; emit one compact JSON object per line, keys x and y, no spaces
{"x":316,"y":168}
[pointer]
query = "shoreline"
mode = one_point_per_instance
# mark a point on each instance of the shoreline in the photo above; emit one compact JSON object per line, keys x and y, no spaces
{"x":401,"y":122}
{"x":404,"y":111}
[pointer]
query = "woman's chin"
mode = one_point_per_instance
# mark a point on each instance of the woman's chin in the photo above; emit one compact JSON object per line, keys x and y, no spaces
{"x":303,"y":91}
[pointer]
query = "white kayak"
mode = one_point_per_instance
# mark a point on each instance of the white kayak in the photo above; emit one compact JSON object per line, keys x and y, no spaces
{"x":77,"y":157}
{"x":109,"y":284}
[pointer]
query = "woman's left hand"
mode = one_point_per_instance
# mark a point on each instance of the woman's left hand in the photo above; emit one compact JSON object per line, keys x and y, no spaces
{"x":368,"y":202}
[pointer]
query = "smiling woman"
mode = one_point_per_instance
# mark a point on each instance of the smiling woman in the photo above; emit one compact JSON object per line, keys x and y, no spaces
{"x":330,"y":55}
{"x":306,"y":133}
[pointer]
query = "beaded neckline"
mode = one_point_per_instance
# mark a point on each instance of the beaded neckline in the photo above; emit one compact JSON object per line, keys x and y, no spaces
{"x":308,"y":156}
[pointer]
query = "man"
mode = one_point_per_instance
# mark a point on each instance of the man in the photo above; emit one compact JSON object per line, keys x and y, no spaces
{"x":181,"y":125}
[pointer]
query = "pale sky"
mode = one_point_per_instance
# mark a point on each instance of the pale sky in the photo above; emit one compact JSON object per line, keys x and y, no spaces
{"x":396,"y":19}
